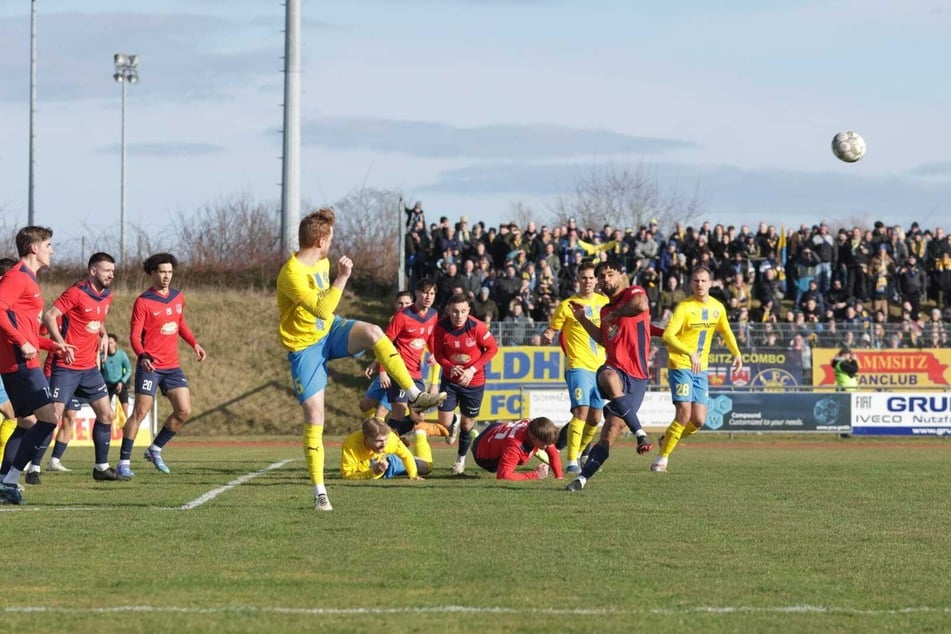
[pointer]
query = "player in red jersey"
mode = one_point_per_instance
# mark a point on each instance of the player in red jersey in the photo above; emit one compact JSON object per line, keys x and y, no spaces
{"x":158,"y":320}
{"x":463,"y":346}
{"x":411,"y":331}
{"x":625,"y":332}
{"x":504,"y":446}
{"x":78,"y":317}
{"x":21,"y":304}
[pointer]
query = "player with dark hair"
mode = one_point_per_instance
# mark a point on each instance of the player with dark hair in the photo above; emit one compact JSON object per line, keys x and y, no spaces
{"x":411,"y":331}
{"x":583,"y":357}
{"x":504,"y":446}
{"x":158,"y":320}
{"x":21,"y":302}
{"x":463,"y":346}
{"x":688,"y":337}
{"x":374,"y":403}
{"x":78,"y":318}
{"x":313,"y":335}
{"x":625,"y":333}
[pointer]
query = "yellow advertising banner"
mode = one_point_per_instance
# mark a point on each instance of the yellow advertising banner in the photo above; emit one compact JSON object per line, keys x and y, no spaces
{"x":898,"y":369}
{"x":85,"y":418}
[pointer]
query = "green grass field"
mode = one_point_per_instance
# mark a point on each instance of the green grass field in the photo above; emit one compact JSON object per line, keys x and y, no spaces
{"x":750,"y":534}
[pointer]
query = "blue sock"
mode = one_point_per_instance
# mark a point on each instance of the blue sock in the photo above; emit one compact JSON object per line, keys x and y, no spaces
{"x":41,"y":449}
{"x":465,"y":440}
{"x":59,"y":448}
{"x":35,"y":436}
{"x":101,"y":438}
{"x":596,"y":457}
{"x":125,"y":451}
{"x":163,"y":437}
{"x":11,"y":448}
{"x":625,"y":407}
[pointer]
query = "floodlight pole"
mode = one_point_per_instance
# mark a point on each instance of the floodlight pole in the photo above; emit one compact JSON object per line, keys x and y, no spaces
{"x":290,"y":181}
{"x":31,"y":210}
{"x":127,"y":72}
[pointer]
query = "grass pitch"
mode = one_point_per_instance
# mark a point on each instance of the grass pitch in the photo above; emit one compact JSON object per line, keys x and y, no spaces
{"x":795,"y":534}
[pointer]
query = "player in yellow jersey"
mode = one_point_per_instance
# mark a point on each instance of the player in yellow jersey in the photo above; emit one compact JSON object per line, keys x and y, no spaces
{"x":375,"y":451}
{"x":583,"y":357}
{"x":313,"y":335}
{"x":688,"y":337}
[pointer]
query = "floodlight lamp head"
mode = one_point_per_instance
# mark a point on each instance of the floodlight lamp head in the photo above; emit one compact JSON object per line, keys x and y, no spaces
{"x":133,"y":78}
{"x":118,"y":77}
{"x":133,"y":60}
{"x":120,"y":59}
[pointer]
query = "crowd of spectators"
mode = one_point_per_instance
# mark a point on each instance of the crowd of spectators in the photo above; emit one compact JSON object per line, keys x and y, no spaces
{"x":813,"y":286}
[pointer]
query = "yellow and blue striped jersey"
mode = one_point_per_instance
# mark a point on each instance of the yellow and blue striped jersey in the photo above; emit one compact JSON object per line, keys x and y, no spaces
{"x":691,"y":329}
{"x":355,"y":458}
{"x":581,"y":351}
{"x":306,"y":302}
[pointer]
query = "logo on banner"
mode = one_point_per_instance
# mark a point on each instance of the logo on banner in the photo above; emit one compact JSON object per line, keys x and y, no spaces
{"x":774,"y":379}
{"x":717,"y":376}
{"x":741,"y":376}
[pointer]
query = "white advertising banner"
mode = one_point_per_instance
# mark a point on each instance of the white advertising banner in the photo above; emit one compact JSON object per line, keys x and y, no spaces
{"x":655,"y":413}
{"x":901,"y":413}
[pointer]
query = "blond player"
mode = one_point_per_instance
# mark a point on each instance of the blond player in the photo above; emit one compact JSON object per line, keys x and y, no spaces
{"x":313,"y":335}
{"x":688,"y":337}
{"x":583,"y":357}
{"x":375,"y":451}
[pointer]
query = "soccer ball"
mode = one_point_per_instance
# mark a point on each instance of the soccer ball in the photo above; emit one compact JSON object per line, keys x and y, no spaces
{"x":848,"y":146}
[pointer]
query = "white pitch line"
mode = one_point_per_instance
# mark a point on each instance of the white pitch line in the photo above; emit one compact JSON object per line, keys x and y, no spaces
{"x":239,"y":481}
{"x":454,"y":609}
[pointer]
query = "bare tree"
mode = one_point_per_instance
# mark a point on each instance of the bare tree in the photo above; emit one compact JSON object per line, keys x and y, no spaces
{"x":368,"y":229}
{"x":523,"y":214}
{"x":234,"y":232}
{"x":624,"y":196}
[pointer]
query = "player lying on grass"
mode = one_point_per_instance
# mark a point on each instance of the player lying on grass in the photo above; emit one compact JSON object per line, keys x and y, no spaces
{"x":504,"y":446}
{"x":375,"y":451}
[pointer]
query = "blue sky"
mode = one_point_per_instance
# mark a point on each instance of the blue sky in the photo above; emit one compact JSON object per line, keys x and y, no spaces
{"x":474,"y":105}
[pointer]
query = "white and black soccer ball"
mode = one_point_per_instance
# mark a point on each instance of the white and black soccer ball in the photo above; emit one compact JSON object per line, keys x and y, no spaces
{"x":848,"y":146}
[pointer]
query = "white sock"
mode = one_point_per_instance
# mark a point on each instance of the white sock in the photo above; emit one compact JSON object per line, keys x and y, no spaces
{"x":102,"y":466}
{"x":640,"y":433}
{"x":413,"y":393}
{"x":320,"y":488}
{"x":13,"y":476}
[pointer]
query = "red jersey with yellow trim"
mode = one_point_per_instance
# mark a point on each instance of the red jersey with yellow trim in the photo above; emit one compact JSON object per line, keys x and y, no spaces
{"x":21,"y":307}
{"x":471,"y":345}
{"x":510,"y":445}
{"x":412,"y":334}
{"x":84,"y":311}
{"x":627,"y":340}
{"x":157,"y":323}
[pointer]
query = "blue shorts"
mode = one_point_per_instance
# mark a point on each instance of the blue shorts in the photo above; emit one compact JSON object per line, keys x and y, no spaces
{"x":377,"y":393}
{"x":309,"y":366}
{"x":28,"y":390}
{"x":148,"y":382}
{"x":583,"y":389}
{"x":687,"y":387}
{"x":396,"y":394}
{"x":469,"y":399}
{"x":395,"y":467}
{"x":66,"y":384}
{"x":633,"y":392}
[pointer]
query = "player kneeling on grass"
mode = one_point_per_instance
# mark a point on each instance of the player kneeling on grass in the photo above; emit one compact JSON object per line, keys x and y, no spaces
{"x":375,"y":451}
{"x":504,"y":446}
